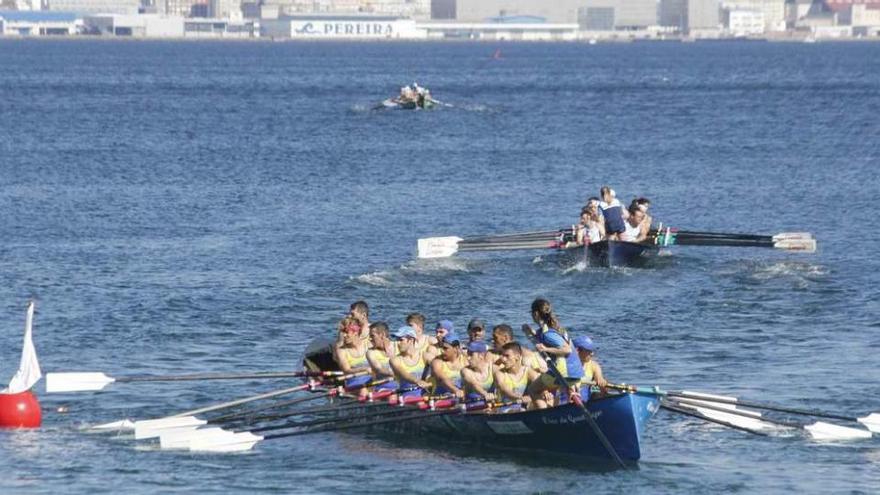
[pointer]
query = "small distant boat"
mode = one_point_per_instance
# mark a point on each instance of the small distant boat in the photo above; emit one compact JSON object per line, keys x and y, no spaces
{"x":396,"y":103}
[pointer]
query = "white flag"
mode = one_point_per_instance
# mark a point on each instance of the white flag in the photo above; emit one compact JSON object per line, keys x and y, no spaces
{"x":29,"y":370}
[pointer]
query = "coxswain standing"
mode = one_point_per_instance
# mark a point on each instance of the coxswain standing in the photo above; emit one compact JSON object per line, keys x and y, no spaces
{"x":512,"y":377}
{"x":592,"y":371}
{"x":478,"y":378}
{"x":351,"y":354}
{"x":409,"y":365}
{"x":553,"y":340}
{"x":446,"y":368}
{"x":613,"y":213}
{"x":379,"y":356}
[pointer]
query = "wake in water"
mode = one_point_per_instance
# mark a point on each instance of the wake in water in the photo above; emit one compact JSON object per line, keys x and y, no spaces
{"x":800,"y":274}
{"x":414,"y":273}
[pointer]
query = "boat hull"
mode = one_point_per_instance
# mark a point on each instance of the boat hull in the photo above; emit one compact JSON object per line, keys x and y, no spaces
{"x":614,"y":253}
{"x":562,"y":430}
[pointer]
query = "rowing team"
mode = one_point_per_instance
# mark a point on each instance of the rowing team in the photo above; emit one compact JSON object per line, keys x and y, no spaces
{"x":605,"y":218}
{"x":414,"y":94}
{"x":471,"y":370}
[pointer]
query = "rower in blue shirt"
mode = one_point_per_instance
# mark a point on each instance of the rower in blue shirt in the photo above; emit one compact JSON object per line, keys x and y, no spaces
{"x":553,"y":341}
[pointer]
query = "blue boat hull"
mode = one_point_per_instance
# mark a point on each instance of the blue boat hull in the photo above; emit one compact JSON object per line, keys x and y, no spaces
{"x":559,"y":430}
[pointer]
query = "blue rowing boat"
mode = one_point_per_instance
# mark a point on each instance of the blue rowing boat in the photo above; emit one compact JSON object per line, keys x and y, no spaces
{"x":561,"y":430}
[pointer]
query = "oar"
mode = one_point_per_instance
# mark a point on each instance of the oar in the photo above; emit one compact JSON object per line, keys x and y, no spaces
{"x":694,"y":414}
{"x":91,"y":381}
{"x":817,"y":429}
{"x":175,"y":438}
{"x":443,"y":247}
{"x":791,"y":241}
{"x":775,"y":237}
{"x":237,"y":442}
{"x":575,"y":398}
{"x":871,"y":421}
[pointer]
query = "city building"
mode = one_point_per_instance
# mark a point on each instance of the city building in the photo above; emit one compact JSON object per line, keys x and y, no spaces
{"x":29,"y":23}
{"x":94,"y":6}
{"x":340,"y":27}
{"x":673,"y":14}
{"x":744,"y":22}
{"x":555,"y":11}
{"x":518,"y":28}
{"x":703,"y":16}
{"x":773,"y":11}
{"x":138,"y":26}
{"x":607,"y":15}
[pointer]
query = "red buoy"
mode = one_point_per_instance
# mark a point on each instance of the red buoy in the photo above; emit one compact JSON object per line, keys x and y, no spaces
{"x":20,"y":411}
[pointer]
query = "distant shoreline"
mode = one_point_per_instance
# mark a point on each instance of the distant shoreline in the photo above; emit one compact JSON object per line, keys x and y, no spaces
{"x":585,"y":41}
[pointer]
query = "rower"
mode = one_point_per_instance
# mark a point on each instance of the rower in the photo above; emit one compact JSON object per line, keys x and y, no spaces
{"x":476,"y":330}
{"x":351,"y":354}
{"x":592,"y":371}
{"x":635,"y":228}
{"x":440,"y":332}
{"x":592,"y":224}
{"x":379,"y":356}
{"x":477,"y":377}
{"x":613,"y":212}
{"x":512,"y":377}
{"x":408,"y":365}
{"x":417,"y":322}
{"x":360,"y":311}
{"x":502,"y":335}
{"x":553,"y":340}
{"x":643,"y":204}
{"x":446,"y":368}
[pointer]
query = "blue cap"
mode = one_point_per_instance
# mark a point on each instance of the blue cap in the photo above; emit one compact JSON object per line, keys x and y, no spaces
{"x":584,"y":342}
{"x":405,"y":331}
{"x":477,"y":346}
{"x":451,"y":337}
{"x":445,"y":324}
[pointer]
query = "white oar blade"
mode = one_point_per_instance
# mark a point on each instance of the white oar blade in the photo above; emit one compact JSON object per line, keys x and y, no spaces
{"x":871,"y":421}
{"x":804,"y":245}
{"x":828,"y":431}
{"x":782,"y":236}
{"x":719,"y":405}
{"x":124,"y":425}
{"x":152,"y":428}
{"x":180,"y":438}
{"x":76,"y":382}
{"x":743,"y":422}
{"x":231,"y":442}
{"x":438,"y":247}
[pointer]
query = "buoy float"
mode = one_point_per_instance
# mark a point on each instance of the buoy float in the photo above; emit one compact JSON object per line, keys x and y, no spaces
{"x":20,"y":410}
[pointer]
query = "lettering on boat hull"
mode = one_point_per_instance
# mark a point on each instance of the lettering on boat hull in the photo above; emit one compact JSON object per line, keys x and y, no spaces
{"x":509,"y":427}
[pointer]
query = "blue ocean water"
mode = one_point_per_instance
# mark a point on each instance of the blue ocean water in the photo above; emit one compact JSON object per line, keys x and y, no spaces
{"x":192,"y":207}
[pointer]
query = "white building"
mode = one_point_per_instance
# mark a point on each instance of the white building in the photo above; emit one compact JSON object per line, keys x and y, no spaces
{"x":507,"y":31}
{"x":137,"y":26}
{"x":703,"y":15}
{"x":745,"y":22}
{"x":341,"y":27}
{"x":27,"y":23}
{"x":95,"y":6}
{"x":773,"y":11}
{"x":617,"y":14}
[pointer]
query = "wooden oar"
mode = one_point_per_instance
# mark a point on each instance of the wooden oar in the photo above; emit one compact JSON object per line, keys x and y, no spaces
{"x":818,"y":430}
{"x":91,"y":381}
{"x":237,"y":442}
{"x":575,"y":398}
{"x":871,"y":421}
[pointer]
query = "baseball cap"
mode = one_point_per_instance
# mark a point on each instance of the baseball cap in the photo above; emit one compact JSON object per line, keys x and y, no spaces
{"x":477,"y":346}
{"x":405,"y":331}
{"x":584,"y":342}
{"x":445,"y":324}
{"x":476,"y":323}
